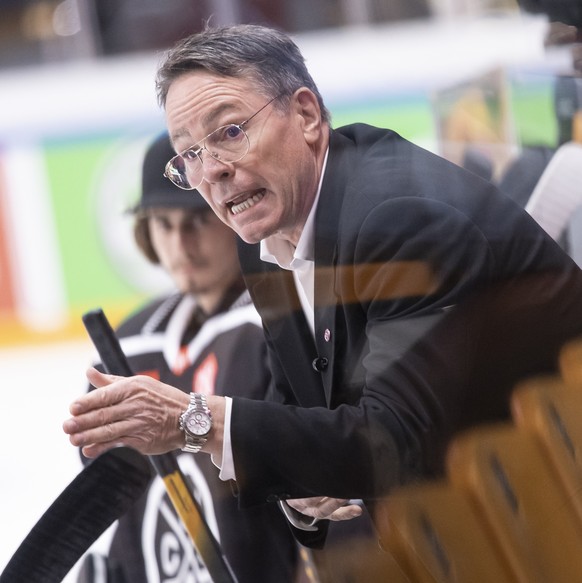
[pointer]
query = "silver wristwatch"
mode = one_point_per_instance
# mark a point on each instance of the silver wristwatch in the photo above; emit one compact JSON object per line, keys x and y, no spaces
{"x":196,"y":423}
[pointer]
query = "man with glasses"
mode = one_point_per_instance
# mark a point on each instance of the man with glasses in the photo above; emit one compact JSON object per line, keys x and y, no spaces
{"x":402,"y":297}
{"x":205,"y":337}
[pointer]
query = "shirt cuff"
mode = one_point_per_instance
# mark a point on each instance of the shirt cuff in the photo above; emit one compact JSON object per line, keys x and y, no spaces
{"x":227,"y":465}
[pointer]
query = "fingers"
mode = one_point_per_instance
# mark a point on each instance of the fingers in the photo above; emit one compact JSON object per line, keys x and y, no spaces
{"x":312,"y":506}
{"x":103,"y":435}
{"x":109,"y":390}
{"x":99,"y":379}
{"x":138,"y":412}
{"x":326,"y":508}
{"x":98,"y":397}
{"x":346,"y":512}
{"x":87,"y":430}
{"x":95,"y":450}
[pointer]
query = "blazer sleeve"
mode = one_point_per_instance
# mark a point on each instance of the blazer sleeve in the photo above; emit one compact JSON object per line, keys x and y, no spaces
{"x":468,"y":338}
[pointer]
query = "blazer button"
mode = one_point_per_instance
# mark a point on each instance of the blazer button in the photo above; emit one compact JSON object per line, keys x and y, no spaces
{"x":320,"y":364}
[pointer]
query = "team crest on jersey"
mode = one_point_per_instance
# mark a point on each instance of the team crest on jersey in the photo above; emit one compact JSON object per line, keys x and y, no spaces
{"x":204,"y":380}
{"x":168,"y":551}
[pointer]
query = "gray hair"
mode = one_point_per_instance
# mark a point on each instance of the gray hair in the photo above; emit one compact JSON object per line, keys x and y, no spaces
{"x":267,"y":56}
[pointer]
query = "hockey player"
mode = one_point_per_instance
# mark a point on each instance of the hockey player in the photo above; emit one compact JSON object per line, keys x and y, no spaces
{"x":202,"y":338}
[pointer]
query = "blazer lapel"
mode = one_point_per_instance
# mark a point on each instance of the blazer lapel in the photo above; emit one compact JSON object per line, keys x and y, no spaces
{"x":277,"y":301}
{"x":327,"y":301}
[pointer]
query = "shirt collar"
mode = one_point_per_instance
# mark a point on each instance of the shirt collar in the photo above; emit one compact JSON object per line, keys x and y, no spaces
{"x":281,"y":252}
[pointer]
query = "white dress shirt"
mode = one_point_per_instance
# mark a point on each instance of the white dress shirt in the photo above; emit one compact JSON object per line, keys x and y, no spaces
{"x":301,"y":261}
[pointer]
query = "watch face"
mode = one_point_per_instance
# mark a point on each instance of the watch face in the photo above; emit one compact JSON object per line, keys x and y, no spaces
{"x":198,"y":423}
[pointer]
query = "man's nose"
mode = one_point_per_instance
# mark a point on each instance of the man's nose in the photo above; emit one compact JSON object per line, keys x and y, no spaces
{"x":215,"y":170}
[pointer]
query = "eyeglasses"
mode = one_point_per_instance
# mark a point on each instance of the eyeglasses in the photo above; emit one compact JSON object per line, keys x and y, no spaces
{"x":227,"y":144}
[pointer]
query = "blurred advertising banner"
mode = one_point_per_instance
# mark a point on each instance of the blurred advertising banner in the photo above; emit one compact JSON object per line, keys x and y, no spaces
{"x":66,"y":243}
{"x":72,"y":137}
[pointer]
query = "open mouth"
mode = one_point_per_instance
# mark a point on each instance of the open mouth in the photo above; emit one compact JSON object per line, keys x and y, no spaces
{"x":248,"y":200}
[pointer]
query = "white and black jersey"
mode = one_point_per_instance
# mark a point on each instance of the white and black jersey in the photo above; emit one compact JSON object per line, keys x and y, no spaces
{"x":225,"y":354}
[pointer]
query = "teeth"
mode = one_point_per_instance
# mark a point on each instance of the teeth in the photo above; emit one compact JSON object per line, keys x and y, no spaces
{"x":246,"y":204}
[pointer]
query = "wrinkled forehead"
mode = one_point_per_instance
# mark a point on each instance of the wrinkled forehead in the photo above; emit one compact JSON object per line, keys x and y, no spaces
{"x":198,"y":101}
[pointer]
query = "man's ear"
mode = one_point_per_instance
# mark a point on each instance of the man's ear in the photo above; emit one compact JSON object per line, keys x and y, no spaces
{"x":304,"y":104}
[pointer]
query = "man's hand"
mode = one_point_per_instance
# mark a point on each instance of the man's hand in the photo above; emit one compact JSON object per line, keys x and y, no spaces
{"x":137,"y":412}
{"x":323,"y":507}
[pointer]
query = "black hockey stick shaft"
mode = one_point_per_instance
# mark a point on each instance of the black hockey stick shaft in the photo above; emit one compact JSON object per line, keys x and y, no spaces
{"x":115,"y":362}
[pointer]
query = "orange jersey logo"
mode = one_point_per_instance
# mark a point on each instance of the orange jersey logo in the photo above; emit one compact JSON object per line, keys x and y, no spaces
{"x":204,"y":380}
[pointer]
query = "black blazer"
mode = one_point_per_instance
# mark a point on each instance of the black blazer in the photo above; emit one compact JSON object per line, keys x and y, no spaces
{"x":434,"y":295}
